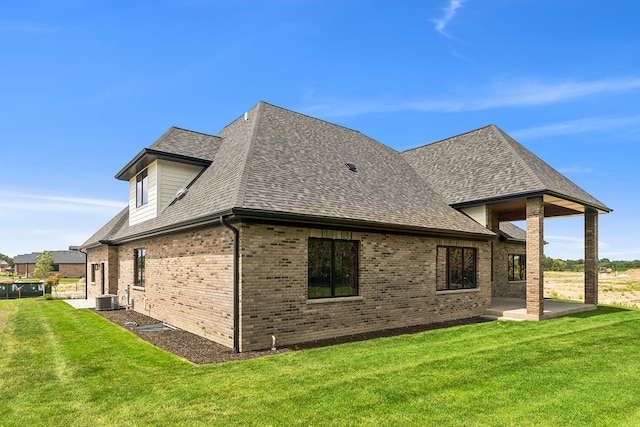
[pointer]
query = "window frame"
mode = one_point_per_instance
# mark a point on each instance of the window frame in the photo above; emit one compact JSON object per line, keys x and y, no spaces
{"x":139,"y":261}
{"x":511,"y":270}
{"x":142,"y":188}
{"x":335,"y":266}
{"x":465,"y":251}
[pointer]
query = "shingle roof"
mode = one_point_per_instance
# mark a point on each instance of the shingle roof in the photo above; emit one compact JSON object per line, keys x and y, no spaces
{"x":59,"y":257}
{"x":512,"y":232}
{"x":178,"y":145}
{"x":187,"y":143}
{"x":487,"y":164}
{"x":279,"y":162}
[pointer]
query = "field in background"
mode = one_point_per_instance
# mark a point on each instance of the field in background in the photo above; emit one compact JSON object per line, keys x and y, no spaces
{"x":620,"y":289}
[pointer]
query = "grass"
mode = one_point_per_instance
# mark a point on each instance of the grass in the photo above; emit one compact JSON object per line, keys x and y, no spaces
{"x":60,"y":366}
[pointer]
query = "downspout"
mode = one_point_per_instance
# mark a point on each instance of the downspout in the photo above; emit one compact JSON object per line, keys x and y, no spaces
{"x":86,"y":274}
{"x":236,"y":284}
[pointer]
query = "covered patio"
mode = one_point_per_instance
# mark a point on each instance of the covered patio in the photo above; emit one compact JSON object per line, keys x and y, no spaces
{"x":492,"y":178}
{"x":534,"y":208}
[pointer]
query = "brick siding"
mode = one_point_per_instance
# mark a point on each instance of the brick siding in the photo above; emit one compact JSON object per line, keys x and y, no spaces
{"x":397,"y":286}
{"x":189,"y":284}
{"x":502,"y":287}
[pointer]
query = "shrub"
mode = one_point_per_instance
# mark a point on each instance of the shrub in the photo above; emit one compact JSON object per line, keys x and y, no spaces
{"x":48,"y":296}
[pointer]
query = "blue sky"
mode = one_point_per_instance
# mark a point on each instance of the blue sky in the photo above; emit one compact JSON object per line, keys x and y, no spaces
{"x":87,"y":84}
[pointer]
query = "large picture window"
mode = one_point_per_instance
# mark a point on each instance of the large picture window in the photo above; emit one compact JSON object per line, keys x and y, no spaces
{"x":333,"y":268}
{"x":517,"y":268}
{"x":456,"y":268}
{"x":142,"y":189}
{"x":138,"y":267}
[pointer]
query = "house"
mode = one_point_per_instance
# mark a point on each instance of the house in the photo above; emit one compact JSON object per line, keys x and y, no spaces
{"x":69,"y":263}
{"x":4,"y":266}
{"x":283,"y":225}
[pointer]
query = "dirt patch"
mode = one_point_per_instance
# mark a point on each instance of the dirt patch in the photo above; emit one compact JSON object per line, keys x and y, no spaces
{"x":613,"y":288}
{"x":181,"y":343}
{"x":203,"y":351}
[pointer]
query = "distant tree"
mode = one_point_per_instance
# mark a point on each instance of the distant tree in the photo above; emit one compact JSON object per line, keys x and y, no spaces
{"x":53,"y":281}
{"x":547,"y":263}
{"x":6,"y":258}
{"x":44,"y":266}
{"x":559,"y":265}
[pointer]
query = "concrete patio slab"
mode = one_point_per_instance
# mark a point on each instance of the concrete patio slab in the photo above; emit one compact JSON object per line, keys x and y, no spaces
{"x":515,"y":309}
{"x":81,"y":303}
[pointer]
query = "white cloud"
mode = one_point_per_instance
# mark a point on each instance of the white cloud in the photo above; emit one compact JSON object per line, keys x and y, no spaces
{"x":22,"y":27}
{"x":29,"y":202}
{"x":35,"y":222}
{"x":449,"y":13}
{"x":517,"y":93}
{"x":576,"y":126}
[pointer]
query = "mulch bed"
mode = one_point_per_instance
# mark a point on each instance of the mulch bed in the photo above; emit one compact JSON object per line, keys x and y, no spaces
{"x":203,"y":351}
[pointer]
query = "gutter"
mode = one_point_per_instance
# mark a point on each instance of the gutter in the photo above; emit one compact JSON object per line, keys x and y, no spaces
{"x":236,"y":284}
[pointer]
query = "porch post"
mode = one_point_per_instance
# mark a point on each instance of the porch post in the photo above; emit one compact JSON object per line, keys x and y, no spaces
{"x":535,"y":256}
{"x":590,"y":256}
{"x":493,"y":224}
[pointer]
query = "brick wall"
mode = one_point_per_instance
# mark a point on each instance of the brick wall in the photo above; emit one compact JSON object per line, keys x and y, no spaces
{"x":97,"y":258}
{"x":397,"y":286}
{"x":188,"y":281}
{"x":502,"y":288}
{"x":189,"y":284}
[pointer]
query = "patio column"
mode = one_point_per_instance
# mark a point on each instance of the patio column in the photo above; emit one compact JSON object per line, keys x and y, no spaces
{"x":535,"y":256}
{"x":590,"y":256}
{"x":493,"y":224}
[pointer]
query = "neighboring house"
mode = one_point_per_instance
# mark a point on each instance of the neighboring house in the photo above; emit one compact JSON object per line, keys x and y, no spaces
{"x":4,"y":265}
{"x":71,"y":263}
{"x":288,"y":226}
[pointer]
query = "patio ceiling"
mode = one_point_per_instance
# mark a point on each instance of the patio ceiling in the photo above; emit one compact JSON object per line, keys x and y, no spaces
{"x":554,"y":206}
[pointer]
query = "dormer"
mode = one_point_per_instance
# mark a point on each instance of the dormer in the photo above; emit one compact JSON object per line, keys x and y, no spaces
{"x":156,"y":179}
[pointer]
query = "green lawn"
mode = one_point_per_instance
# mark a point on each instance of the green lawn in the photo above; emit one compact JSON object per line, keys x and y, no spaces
{"x":66,"y":367}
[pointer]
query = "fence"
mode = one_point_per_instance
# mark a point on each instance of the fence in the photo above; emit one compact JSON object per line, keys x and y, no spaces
{"x":23,"y":290}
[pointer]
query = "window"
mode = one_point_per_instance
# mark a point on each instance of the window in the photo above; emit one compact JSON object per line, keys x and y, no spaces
{"x":56,"y":268}
{"x":93,"y":272}
{"x":138,"y":267}
{"x":456,"y":268}
{"x":333,"y":268}
{"x":517,"y":268}
{"x":142,"y":189}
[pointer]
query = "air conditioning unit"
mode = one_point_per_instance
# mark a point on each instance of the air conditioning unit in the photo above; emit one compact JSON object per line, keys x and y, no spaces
{"x":106,"y":302}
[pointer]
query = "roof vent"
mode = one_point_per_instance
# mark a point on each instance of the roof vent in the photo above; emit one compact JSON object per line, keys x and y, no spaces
{"x":181,"y":193}
{"x":352,"y":167}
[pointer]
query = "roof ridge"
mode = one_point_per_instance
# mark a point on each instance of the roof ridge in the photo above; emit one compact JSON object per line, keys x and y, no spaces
{"x":244,"y":176}
{"x":510,"y":144}
{"x":191,"y":131}
{"x":448,"y":138}
{"x":321,"y":120}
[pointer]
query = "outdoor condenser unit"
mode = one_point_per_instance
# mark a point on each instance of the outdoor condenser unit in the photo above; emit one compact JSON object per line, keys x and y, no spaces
{"x":106,"y":302}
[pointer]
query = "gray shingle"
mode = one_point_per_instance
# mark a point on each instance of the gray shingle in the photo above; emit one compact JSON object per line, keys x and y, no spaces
{"x":486,"y":164}
{"x":59,"y":257}
{"x":512,"y":232}
{"x":286,"y":163}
